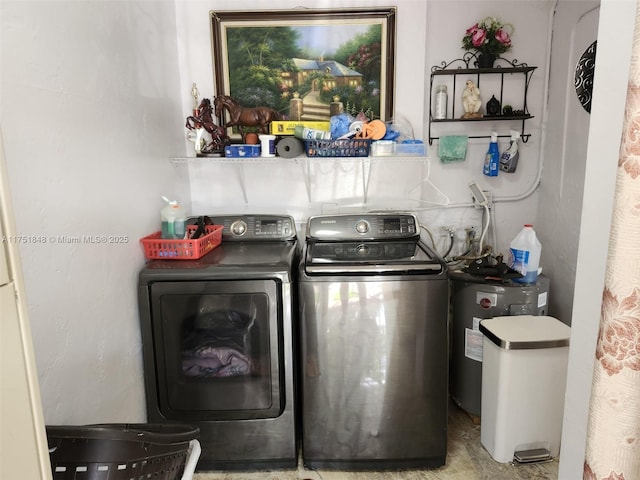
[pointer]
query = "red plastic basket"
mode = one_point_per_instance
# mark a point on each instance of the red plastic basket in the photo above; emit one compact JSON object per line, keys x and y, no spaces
{"x":156,"y":247}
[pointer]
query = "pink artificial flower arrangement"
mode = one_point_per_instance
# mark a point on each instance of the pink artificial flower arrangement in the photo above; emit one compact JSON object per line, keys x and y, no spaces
{"x":489,"y":36}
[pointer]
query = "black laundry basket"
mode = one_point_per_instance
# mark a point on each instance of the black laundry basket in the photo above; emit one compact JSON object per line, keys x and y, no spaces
{"x":119,"y":451}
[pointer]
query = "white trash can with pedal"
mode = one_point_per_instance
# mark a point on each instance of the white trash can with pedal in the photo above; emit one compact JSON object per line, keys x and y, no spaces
{"x":524,"y":375}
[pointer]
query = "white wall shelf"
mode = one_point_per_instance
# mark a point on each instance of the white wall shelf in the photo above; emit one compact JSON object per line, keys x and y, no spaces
{"x":299,"y":159}
{"x":317,"y":171}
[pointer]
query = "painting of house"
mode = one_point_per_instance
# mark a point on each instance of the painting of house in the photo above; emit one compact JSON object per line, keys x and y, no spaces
{"x":334,"y":74}
{"x":273,"y":61}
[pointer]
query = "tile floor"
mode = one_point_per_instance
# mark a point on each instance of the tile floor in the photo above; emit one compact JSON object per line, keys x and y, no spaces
{"x":466,"y":460}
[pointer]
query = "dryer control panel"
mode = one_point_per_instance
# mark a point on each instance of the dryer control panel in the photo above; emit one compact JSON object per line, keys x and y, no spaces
{"x":248,"y":228}
{"x":367,"y":226}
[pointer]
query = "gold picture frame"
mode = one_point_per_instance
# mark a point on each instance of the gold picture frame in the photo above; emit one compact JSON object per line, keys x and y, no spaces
{"x":319,"y":56}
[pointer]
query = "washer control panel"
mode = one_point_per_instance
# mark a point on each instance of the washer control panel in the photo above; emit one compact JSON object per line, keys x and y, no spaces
{"x":256,"y":227}
{"x":368,"y":226}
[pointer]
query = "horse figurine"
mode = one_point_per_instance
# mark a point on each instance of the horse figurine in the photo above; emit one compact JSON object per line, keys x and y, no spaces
{"x":243,"y":116}
{"x":204,"y":120}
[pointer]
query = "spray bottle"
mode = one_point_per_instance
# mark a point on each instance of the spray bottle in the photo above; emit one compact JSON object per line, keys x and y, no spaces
{"x":492,"y":158}
{"x":509,"y":158}
{"x":173,"y":220}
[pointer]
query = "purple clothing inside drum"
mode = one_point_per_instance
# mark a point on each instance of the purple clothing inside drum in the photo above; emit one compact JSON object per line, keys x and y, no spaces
{"x":215,"y":362}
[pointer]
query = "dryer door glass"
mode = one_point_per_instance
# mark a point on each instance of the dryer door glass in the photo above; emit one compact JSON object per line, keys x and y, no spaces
{"x":217,"y":349}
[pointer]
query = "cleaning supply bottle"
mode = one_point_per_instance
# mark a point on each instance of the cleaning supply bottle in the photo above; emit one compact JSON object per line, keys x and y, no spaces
{"x":525,"y":251}
{"x":173,"y":220}
{"x":492,"y":158}
{"x":509,"y":158}
{"x":440,"y":110}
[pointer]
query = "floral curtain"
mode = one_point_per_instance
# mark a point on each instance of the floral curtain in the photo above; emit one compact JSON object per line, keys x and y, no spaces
{"x":613,"y":434}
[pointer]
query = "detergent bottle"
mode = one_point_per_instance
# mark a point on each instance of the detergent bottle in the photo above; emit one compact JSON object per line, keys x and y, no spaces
{"x":509,"y":158}
{"x":525,"y":251}
{"x":492,"y":158}
{"x":173,"y":220}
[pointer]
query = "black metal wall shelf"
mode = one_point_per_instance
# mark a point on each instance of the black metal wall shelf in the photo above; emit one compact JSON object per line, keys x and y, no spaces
{"x":461,"y":66}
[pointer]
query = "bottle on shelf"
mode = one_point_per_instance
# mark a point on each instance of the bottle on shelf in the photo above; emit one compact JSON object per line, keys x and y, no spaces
{"x":440,"y":104}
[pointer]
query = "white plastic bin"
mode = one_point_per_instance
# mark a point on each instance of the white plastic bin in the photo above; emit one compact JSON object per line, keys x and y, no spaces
{"x":524,"y":376}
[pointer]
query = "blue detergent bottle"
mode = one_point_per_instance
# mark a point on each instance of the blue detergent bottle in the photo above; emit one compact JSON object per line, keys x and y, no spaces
{"x":492,"y":158}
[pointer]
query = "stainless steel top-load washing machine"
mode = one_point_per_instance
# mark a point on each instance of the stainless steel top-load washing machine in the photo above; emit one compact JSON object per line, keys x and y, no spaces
{"x":217,"y":337}
{"x":373,"y":315}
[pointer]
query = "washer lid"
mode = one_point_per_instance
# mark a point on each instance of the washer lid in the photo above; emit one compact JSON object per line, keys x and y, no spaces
{"x":522,"y":332}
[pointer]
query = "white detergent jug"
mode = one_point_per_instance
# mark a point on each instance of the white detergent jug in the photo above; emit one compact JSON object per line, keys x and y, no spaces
{"x":525,"y":254}
{"x":173,"y":220}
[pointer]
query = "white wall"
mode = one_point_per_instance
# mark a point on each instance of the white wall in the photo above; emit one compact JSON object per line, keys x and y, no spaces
{"x":423,"y":40}
{"x":615,"y":35}
{"x":291,"y":188}
{"x":194,"y":39}
{"x":515,"y":193}
{"x":565,"y":147}
{"x":93,"y":97}
{"x":102,"y":78}
{"x":89,"y":105}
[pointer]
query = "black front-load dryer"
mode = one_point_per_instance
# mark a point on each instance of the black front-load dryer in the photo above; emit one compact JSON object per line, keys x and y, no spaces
{"x":217,"y":336}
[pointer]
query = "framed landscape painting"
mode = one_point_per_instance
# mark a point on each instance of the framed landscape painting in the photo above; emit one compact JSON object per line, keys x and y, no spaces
{"x":300,"y":62}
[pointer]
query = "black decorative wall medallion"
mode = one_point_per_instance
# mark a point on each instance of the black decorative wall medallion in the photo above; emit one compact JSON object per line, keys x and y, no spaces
{"x":583,"y":78}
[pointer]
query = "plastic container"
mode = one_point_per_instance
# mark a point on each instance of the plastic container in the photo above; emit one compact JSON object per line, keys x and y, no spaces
{"x":242,"y":151}
{"x":440,"y":107}
{"x":358,"y":147}
{"x":123,"y":451}
{"x":492,"y":158}
{"x":267,"y":145}
{"x":156,"y":247}
{"x":173,"y":220}
{"x":524,"y":375}
{"x":410,"y":148}
{"x":388,"y":148}
{"x":525,"y":250}
{"x":304,"y":133}
{"x":383,"y":148}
